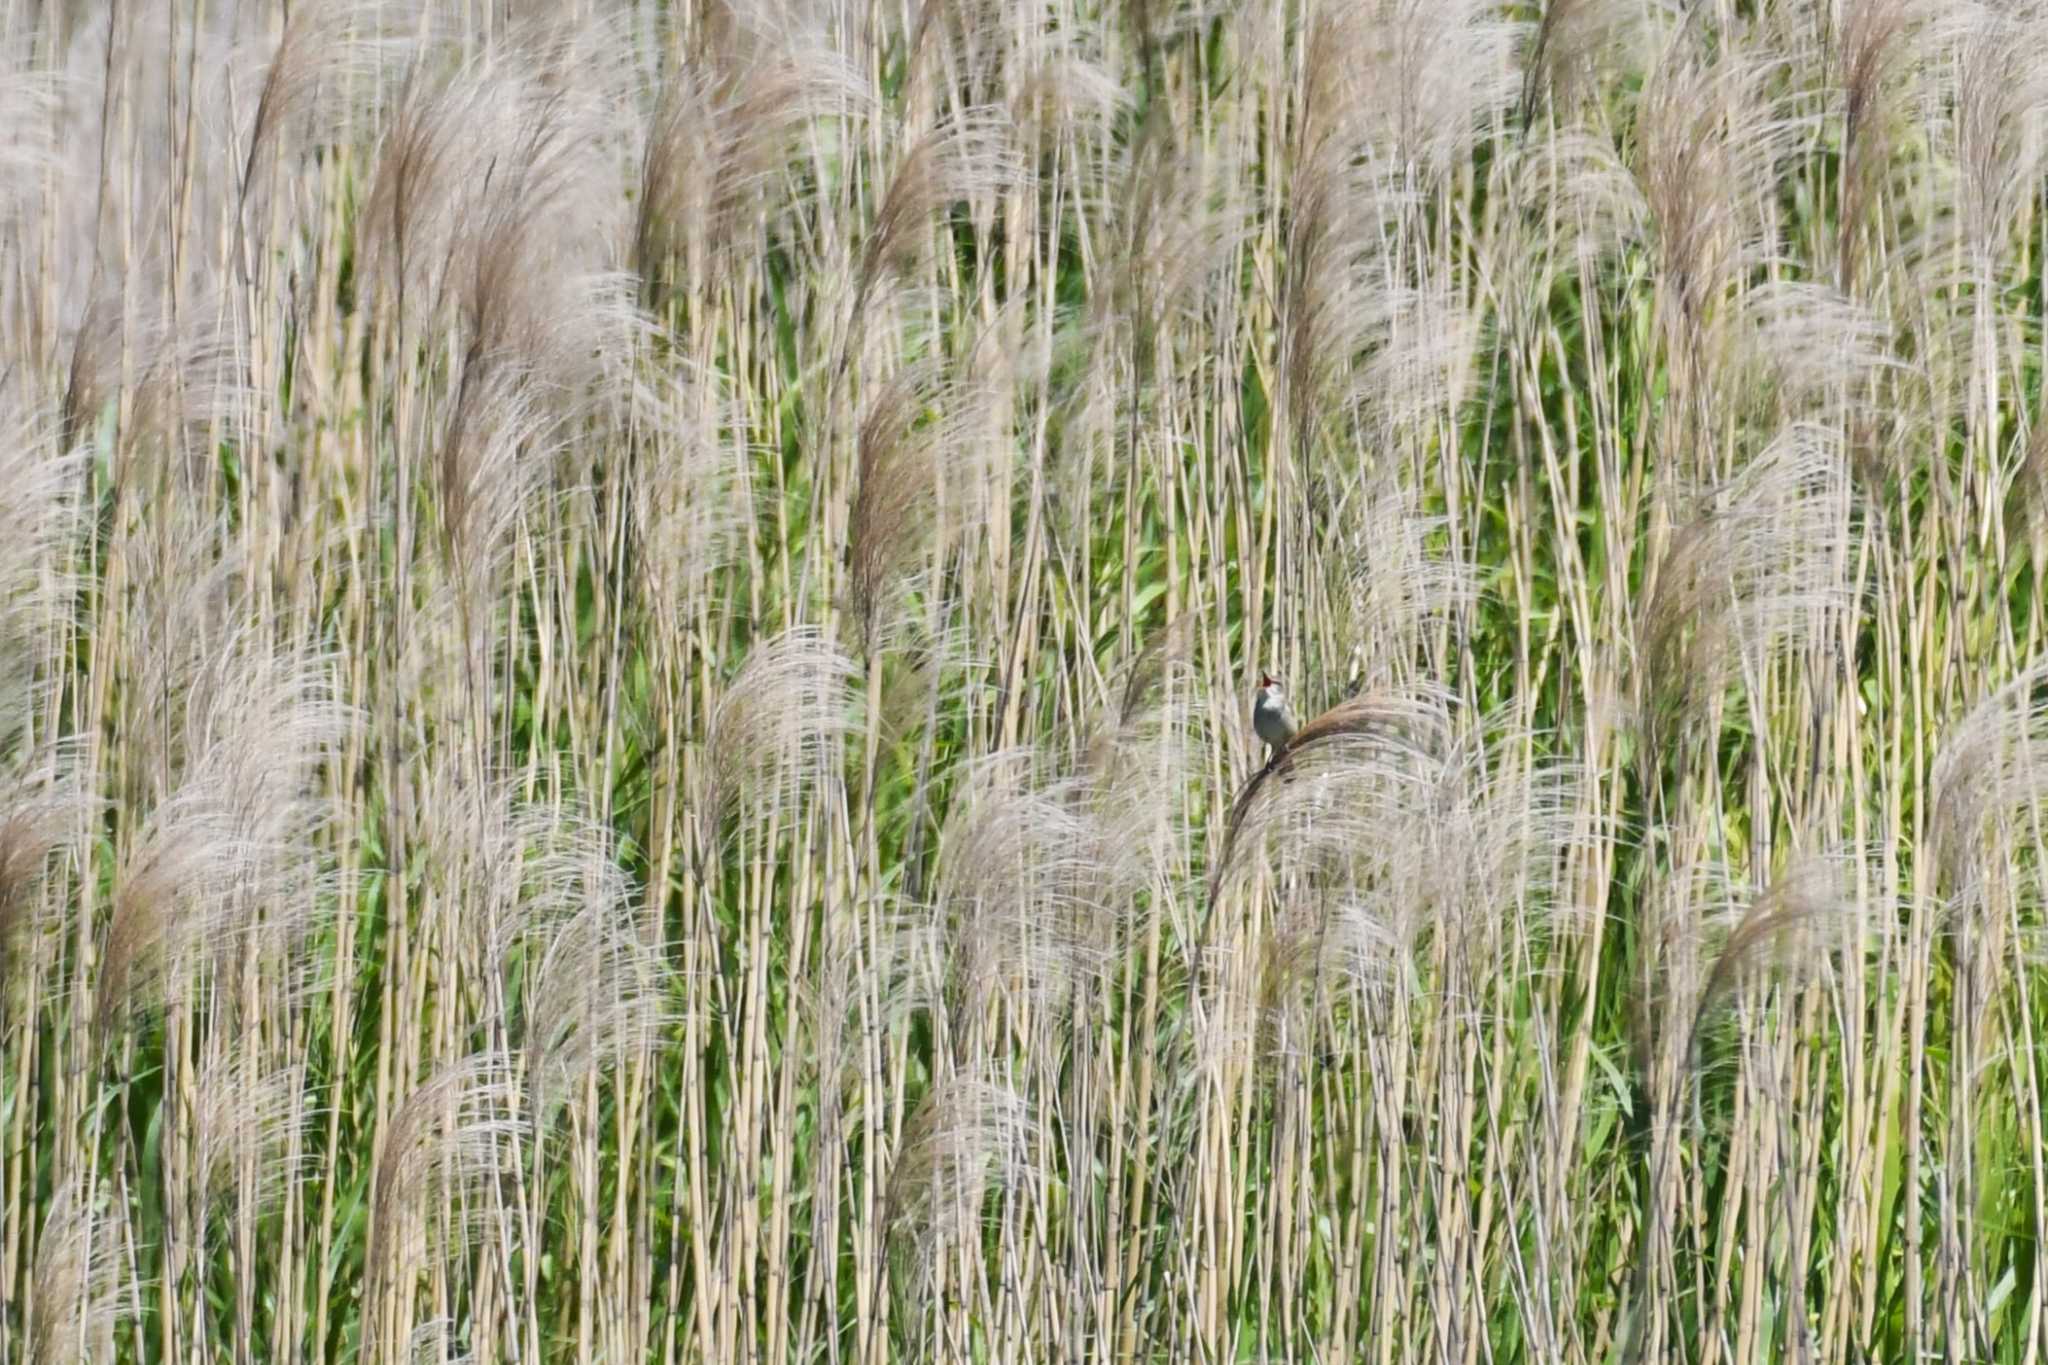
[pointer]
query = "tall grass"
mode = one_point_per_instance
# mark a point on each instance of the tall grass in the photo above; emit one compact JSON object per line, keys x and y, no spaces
{"x":626,"y":636}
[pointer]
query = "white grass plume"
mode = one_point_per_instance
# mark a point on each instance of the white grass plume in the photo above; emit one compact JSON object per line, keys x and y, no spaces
{"x":1584,"y":47}
{"x":512,"y":870}
{"x":1461,"y":843}
{"x":693,"y":499}
{"x":970,"y":1136}
{"x":926,"y":449}
{"x":39,"y":527}
{"x":1419,"y":79}
{"x":1988,"y":784}
{"x":1391,"y":588}
{"x":1066,"y":98}
{"x":774,"y":730}
{"x":1710,"y":141}
{"x":185,"y":381}
{"x":719,"y":145}
{"x":1887,"y":50}
{"x":2001,"y":120}
{"x":549,"y":334}
{"x":1343,"y":779}
{"x":1808,"y":347}
{"x":79,"y":1288}
{"x":447,"y":1144}
{"x":1136,"y":772}
{"x":231,"y":850}
{"x":1792,"y":927}
{"x":1015,"y":887}
{"x":245,"y":1119}
{"x":1758,"y":570}
{"x":331,"y":59}
{"x":597,"y":991}
{"x":967,"y":158}
{"x":42,"y":803}
{"x":1571,"y":203}
{"x":1177,"y":216}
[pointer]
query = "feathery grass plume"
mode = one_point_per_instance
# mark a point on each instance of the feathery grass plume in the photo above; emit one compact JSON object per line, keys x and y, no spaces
{"x":171,"y":902}
{"x":187,"y":609}
{"x":1571,"y":203}
{"x":1583,"y":48}
{"x":514,"y":872}
{"x":332,"y":56}
{"x":549,"y":332}
{"x":2001,"y":122}
{"x":1791,"y":929}
{"x":1136,"y":767}
{"x":716,"y":163}
{"x":231,"y":850}
{"x":422,"y":187}
{"x":1340,"y":269}
{"x":895,"y":483}
{"x":1420,"y":80}
{"x":185,"y":377}
{"x":497,"y":198}
{"x":1335,"y":782}
{"x":1377,"y":131}
{"x":925,"y":453}
{"x":1016,"y":887}
{"x":967,"y":52}
{"x":42,"y":801}
{"x":1420,"y":366}
{"x":966,"y":158}
{"x":1393,"y":94}
{"x":1989,"y":781}
{"x":1328,"y":947}
{"x":1709,"y":143}
{"x":445,"y":1148}
{"x":1390,"y":590}
{"x":598,"y":988}
{"x":970,"y":1137}
{"x":79,"y":1289}
{"x":1463,"y":843}
{"x":775,"y":728}
{"x":1805,"y":347}
{"x":1885,"y":44}
{"x":1488,"y":844}
{"x":39,"y":526}
{"x":1066,"y":99}
{"x":1793,"y":926}
{"x":490,"y":463}
{"x":1759,"y":569}
{"x":1177,"y":216}
{"x":693,"y":498}
{"x":244,"y":1122}
{"x":263,"y":725}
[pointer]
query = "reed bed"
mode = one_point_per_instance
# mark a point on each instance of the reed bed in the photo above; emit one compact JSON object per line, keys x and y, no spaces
{"x":626,"y":643}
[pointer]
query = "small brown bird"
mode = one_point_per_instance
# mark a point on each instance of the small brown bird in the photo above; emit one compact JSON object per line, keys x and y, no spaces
{"x":1272,"y":718}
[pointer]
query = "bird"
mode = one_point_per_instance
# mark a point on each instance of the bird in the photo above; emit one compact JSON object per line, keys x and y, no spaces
{"x":1272,"y":718}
